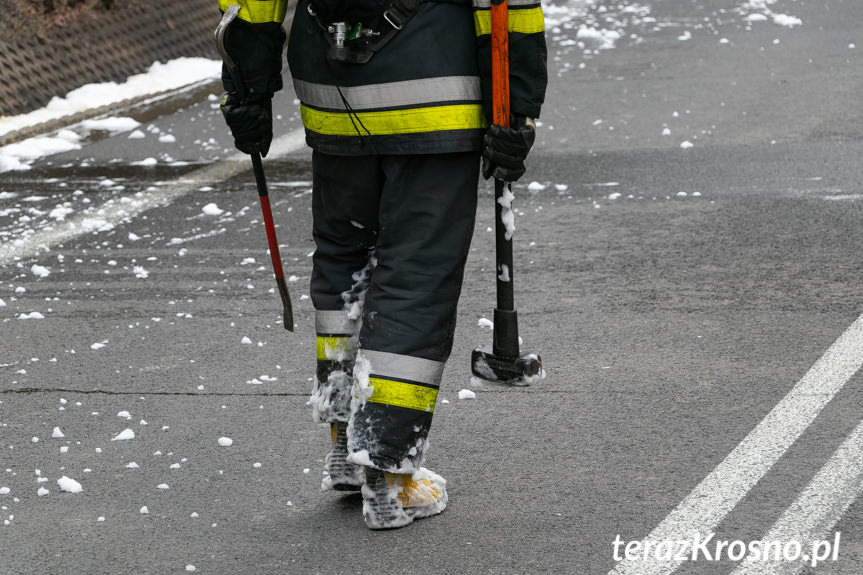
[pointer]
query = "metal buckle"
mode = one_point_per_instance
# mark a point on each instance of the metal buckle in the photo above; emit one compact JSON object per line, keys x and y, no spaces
{"x":389,"y":19}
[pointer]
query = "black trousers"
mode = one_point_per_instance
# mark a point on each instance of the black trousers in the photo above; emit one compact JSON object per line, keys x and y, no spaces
{"x":392,"y":236}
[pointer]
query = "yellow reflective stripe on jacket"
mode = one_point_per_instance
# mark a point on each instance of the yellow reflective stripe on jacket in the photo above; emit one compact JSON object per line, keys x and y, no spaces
{"x":403,"y":394}
{"x":411,"y":121}
{"x":527,"y":21}
{"x":335,"y":348}
{"x":258,"y":11}
{"x":510,"y":3}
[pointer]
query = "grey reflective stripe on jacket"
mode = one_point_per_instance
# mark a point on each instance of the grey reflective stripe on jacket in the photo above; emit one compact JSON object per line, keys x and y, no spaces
{"x":464,"y":89}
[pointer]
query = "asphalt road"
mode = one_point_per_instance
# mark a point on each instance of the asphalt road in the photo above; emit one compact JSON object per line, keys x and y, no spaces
{"x":676,"y":294}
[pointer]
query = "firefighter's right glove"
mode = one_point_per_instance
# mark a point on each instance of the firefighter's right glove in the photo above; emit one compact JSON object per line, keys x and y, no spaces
{"x":251,"y":122}
{"x":505,"y":149}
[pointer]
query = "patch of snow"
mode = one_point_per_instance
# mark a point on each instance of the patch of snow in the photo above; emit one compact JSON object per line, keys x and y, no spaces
{"x":20,"y":155}
{"x":506,"y":213}
{"x":212,"y":209}
{"x":113,"y":125}
{"x":124,"y":435}
{"x":786,"y":20}
{"x":40,"y":271}
{"x":69,"y":485}
{"x":31,"y":315}
{"x":603,"y":38}
{"x":504,"y":273}
{"x":158,"y":78}
{"x":60,"y":212}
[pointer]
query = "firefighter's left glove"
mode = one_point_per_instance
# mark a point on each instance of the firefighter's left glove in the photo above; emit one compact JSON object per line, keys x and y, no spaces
{"x":251,"y":122}
{"x":505,"y":149}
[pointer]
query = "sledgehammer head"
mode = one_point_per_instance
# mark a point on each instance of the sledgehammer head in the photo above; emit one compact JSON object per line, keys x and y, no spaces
{"x":505,"y":363}
{"x":523,"y":370}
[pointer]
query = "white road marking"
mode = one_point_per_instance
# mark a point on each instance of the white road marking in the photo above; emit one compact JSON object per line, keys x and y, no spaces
{"x":818,"y":508}
{"x":718,"y":493}
{"x":116,"y":210}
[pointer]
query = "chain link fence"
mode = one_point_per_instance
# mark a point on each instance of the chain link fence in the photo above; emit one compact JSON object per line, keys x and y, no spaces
{"x":49,"y":47}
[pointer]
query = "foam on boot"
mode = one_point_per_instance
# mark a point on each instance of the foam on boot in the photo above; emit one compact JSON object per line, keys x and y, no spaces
{"x":392,"y":500}
{"x":339,"y":475}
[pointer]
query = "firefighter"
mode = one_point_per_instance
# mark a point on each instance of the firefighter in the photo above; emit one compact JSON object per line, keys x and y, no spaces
{"x":395,"y":97}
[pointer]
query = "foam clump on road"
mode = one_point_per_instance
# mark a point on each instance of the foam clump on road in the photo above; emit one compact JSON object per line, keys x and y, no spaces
{"x":69,"y":485}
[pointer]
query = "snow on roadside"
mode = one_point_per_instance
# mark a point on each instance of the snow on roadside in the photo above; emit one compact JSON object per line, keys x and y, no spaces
{"x":761,"y":11}
{"x":158,"y":78}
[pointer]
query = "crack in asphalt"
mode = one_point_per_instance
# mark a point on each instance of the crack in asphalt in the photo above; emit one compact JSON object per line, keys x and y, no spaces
{"x":36,"y":390}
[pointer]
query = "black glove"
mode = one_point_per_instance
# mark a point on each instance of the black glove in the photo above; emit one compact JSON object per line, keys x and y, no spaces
{"x":251,"y":122}
{"x":505,"y":149}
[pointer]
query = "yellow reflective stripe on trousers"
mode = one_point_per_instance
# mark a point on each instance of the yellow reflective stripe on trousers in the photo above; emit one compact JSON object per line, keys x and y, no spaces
{"x":258,"y":11}
{"x":527,"y":21}
{"x":335,"y":348}
{"x":402,"y":394}
{"x":415,"y":120}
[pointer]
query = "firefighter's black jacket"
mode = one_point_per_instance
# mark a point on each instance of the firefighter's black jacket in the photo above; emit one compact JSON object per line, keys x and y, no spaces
{"x":426,"y":91}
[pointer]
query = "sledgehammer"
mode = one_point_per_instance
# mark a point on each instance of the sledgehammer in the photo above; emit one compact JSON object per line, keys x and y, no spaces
{"x":505,"y":364}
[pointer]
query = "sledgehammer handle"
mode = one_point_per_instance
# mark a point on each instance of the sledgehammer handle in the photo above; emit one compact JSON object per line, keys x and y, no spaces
{"x":505,"y":337}
{"x":500,"y":104}
{"x":500,"y":62}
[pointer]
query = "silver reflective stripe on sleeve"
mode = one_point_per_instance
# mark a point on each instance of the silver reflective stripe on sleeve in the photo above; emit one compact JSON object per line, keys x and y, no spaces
{"x":334,"y":322}
{"x":416,"y":369}
{"x":391,"y":94}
